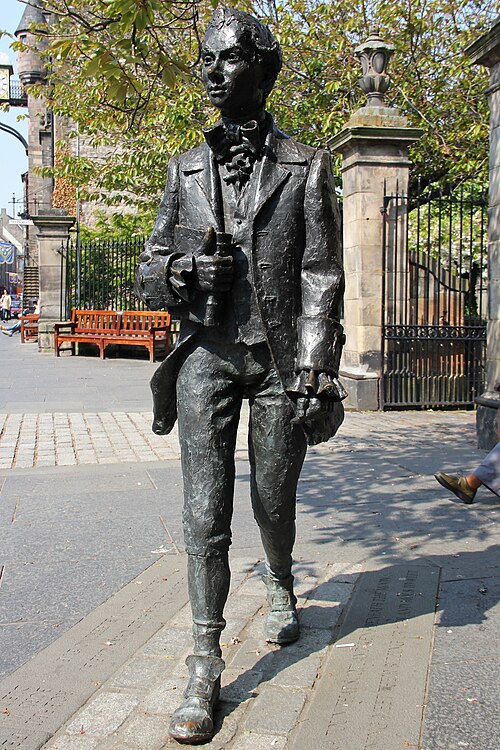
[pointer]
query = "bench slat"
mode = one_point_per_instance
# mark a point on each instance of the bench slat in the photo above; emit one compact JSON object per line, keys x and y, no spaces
{"x":29,"y":327}
{"x":104,"y":327}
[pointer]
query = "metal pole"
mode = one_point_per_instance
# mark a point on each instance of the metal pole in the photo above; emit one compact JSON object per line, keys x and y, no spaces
{"x":78,"y":245}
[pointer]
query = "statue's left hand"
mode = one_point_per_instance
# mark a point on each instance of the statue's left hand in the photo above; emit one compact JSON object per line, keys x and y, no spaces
{"x":316,"y":394}
{"x":309,"y":408}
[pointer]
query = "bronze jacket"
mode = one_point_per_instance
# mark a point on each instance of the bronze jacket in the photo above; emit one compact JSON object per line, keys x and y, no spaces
{"x":290,"y":227}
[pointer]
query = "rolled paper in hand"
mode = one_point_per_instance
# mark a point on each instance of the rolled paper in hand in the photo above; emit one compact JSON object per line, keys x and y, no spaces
{"x":215,"y":302}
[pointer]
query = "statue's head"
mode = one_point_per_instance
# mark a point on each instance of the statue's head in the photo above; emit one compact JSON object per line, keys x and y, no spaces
{"x":240,"y":62}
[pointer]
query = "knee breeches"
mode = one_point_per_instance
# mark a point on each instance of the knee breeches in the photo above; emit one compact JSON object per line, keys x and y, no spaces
{"x":210,"y":388}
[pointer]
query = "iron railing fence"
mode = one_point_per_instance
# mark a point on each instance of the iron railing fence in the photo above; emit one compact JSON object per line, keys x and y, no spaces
{"x":18,"y":95}
{"x":100,"y":275}
{"x":434,"y":297}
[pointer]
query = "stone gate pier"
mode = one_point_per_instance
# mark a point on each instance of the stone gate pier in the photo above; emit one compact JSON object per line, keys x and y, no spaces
{"x":374,"y":146}
{"x":486,"y":51}
{"x":52,"y":233}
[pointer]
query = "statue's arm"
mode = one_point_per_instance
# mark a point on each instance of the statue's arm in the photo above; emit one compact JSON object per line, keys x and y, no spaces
{"x":169,"y":273}
{"x":320,"y":335}
{"x":154,"y":272}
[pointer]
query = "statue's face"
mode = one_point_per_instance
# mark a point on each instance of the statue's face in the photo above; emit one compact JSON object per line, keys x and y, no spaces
{"x":234,"y":82}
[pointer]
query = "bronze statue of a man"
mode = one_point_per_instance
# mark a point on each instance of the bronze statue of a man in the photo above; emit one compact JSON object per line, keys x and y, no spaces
{"x":246,"y":249}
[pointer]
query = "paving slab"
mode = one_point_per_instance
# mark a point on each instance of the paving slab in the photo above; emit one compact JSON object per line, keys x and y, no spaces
{"x":44,"y":693}
{"x":467,"y":620}
{"x":464,"y":690}
{"x":363,"y":697}
{"x":462,"y":709}
{"x":275,"y":711}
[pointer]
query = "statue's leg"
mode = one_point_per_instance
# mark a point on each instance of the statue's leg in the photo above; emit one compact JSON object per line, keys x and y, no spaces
{"x":276,"y":450}
{"x":208,"y":404}
{"x":208,"y":587}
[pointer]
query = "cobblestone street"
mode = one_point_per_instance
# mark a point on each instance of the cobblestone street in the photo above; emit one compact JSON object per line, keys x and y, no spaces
{"x":29,"y":440}
{"x":69,"y":439}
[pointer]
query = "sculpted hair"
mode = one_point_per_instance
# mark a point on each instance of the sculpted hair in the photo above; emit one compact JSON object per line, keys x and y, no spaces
{"x":261,"y":44}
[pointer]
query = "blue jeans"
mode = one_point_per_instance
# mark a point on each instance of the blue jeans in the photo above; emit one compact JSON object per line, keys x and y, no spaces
{"x":488,"y":470}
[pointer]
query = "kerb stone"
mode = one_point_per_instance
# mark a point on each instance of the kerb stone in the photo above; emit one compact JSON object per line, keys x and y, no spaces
{"x":276,"y":710}
{"x":104,"y":714}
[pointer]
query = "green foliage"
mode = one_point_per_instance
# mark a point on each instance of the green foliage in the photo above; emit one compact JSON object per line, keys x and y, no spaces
{"x":433,"y":82}
{"x":125,"y":71}
{"x":449,"y":226}
{"x":437,"y":86}
{"x":120,"y":225}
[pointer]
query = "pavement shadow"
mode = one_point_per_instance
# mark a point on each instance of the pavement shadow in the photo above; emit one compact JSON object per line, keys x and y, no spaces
{"x":377,"y":490}
{"x":293,"y":665}
{"x":385,"y":596}
{"x":377,"y":500}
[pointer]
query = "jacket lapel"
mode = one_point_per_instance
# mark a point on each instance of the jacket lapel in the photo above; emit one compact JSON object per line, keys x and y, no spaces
{"x":200,"y":168}
{"x":270,"y":176}
{"x":273,"y":172}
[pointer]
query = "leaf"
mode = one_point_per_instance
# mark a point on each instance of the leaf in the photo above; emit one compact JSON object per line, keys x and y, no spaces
{"x":168,"y":75}
{"x":118,"y":91}
{"x":141,"y":20}
{"x":94,"y":66}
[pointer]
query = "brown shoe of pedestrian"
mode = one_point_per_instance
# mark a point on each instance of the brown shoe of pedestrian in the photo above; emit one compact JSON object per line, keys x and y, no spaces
{"x":457,"y":485}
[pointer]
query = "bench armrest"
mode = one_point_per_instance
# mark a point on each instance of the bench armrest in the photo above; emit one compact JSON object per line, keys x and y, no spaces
{"x":59,"y":326}
{"x":154,"y":329}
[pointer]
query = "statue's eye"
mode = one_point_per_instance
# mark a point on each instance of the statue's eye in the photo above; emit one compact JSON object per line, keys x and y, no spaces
{"x":208,"y":59}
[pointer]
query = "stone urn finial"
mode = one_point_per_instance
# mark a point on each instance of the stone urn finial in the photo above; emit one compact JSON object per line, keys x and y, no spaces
{"x":374,"y":56}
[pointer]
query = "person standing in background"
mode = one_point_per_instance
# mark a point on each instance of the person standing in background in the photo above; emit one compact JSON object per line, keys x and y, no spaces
{"x":6,"y":304}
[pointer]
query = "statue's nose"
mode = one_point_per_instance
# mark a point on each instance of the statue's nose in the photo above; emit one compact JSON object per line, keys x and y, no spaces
{"x":214,"y":69}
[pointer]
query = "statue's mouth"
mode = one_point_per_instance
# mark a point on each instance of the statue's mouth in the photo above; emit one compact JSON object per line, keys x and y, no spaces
{"x":216,"y":90}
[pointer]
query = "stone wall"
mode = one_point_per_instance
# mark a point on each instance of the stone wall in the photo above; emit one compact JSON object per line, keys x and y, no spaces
{"x":486,"y":51}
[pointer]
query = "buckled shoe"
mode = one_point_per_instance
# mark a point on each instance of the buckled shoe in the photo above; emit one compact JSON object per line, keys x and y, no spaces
{"x":282,"y":623}
{"x":193,"y":722}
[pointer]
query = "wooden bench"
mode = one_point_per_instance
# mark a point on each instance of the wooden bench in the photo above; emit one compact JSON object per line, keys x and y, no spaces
{"x":144,"y":328}
{"x":87,"y":326}
{"x":29,"y":327}
{"x":105,"y":327}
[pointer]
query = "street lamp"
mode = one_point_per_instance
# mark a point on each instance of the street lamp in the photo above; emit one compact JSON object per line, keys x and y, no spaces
{"x":6,"y":71}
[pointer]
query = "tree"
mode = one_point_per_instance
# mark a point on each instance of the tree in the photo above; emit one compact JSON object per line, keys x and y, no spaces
{"x":125,"y":72}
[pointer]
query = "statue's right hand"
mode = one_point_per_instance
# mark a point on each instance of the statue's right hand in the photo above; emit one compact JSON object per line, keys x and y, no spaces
{"x":213,"y":273}
{"x":150,"y":279}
